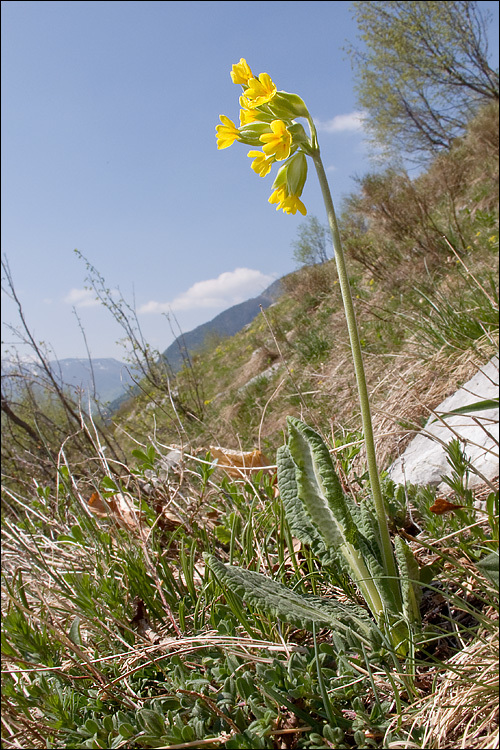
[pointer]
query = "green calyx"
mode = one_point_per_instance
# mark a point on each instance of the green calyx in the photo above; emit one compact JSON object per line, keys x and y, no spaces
{"x":250,"y":134}
{"x":288,"y":106}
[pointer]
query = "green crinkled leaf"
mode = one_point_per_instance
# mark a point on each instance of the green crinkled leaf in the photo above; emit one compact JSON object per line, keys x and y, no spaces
{"x":364,"y":517}
{"x":368,"y":537}
{"x":299,"y":610}
{"x":319,"y":487}
{"x":223,"y":534}
{"x":320,"y":494}
{"x":488,"y":566}
{"x":299,"y":522}
{"x":368,"y":545}
{"x":378,"y":576}
{"x":335,"y":527}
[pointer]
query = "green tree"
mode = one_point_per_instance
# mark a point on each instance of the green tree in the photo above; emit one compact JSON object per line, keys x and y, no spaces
{"x":312,"y":243}
{"x":422,"y":73}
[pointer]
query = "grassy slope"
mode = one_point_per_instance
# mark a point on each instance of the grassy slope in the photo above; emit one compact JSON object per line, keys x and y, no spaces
{"x":116,"y":635}
{"x":415,"y":354}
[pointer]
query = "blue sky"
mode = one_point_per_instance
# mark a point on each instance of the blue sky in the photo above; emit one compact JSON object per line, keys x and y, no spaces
{"x":108,"y":146}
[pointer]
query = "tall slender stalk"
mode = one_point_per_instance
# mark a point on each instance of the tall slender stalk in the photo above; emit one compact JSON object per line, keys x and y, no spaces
{"x":269,"y":119}
{"x":387,"y":552}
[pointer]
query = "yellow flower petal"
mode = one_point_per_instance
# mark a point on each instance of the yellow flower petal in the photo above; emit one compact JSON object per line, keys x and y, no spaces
{"x":278,"y":196}
{"x":227,"y":133}
{"x":260,"y":165}
{"x":292,"y":204}
{"x":248,"y":116}
{"x":279,"y":142}
{"x":241,"y":72}
{"x":260,"y":91}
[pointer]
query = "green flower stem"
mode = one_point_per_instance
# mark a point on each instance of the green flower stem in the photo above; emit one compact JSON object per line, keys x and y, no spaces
{"x":387,"y":552}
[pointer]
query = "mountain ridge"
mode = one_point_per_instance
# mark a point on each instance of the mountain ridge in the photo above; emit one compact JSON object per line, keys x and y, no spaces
{"x":107,"y":375}
{"x":112,"y":379}
{"x":227,"y":323}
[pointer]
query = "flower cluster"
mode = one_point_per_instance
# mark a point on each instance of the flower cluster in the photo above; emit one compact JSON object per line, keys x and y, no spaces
{"x":267,"y":121}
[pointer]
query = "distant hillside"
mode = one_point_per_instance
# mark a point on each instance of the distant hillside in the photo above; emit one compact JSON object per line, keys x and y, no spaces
{"x":225,"y":324}
{"x":111,"y":378}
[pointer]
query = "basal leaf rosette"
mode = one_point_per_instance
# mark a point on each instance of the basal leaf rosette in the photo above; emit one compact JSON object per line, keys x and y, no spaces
{"x":267,"y":121}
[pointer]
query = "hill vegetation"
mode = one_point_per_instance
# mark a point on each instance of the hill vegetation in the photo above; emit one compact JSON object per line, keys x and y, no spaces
{"x":161,"y":589}
{"x":226,"y":324}
{"x":126,"y":508}
{"x":412,"y":246}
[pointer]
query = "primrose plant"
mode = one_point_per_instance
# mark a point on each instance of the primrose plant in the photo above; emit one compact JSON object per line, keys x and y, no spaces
{"x":356,"y":538}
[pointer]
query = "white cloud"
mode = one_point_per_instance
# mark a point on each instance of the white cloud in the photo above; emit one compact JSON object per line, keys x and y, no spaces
{"x":81,"y":298}
{"x":341,"y":123}
{"x":230,"y":288}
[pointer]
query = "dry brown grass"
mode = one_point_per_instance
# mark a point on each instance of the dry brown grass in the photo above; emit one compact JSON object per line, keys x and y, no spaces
{"x":413,"y":389}
{"x":462,"y":711}
{"x":404,"y":389}
{"x":259,"y":361}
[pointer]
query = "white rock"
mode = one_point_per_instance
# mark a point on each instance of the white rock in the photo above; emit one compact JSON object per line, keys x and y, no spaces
{"x":425,"y":460}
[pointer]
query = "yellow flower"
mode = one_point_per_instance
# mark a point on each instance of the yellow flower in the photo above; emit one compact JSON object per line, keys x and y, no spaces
{"x":279,"y":142}
{"x":248,"y":116}
{"x":227,"y":133}
{"x":260,"y":91}
{"x":278,"y":196}
{"x":241,"y":72}
{"x":292,"y":204}
{"x":261,"y":165}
